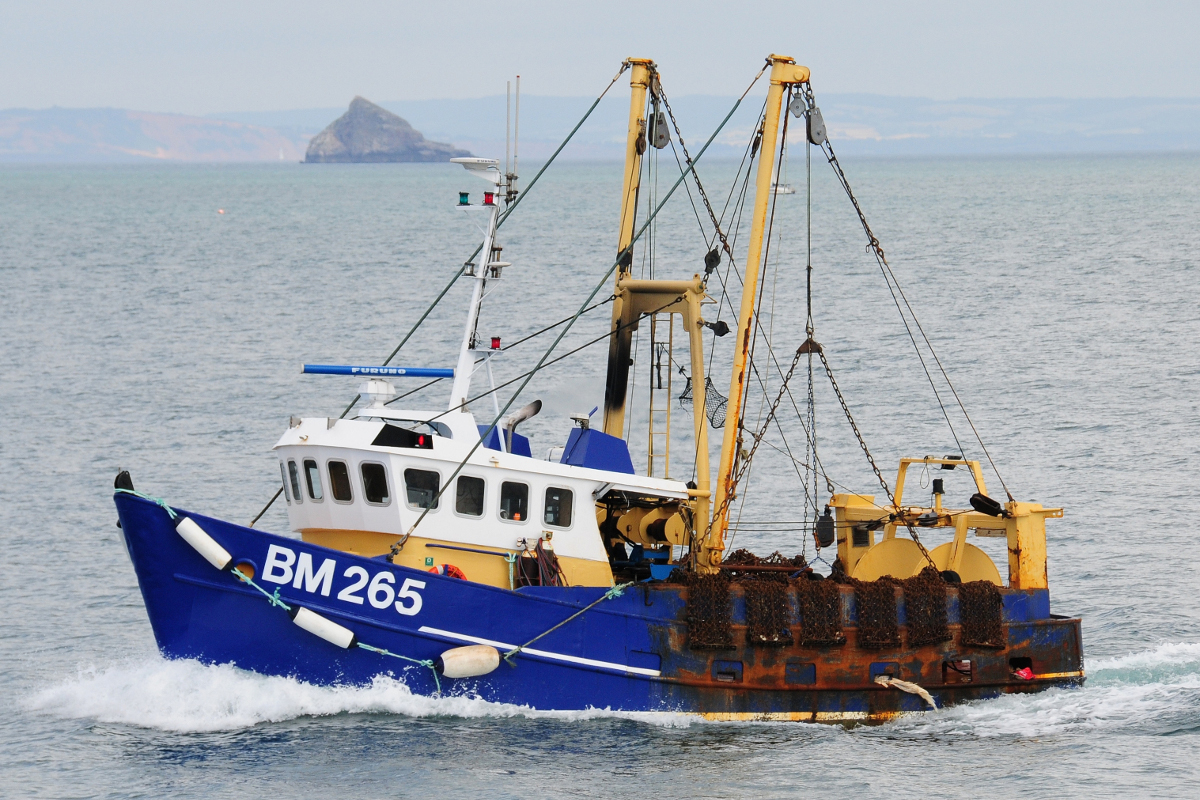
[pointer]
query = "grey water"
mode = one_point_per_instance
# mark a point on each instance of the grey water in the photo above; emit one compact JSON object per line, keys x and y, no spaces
{"x":154,"y":318}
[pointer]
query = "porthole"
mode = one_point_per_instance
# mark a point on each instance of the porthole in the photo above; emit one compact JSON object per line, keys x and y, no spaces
{"x":339,"y":482}
{"x":283,"y":474}
{"x":312,"y":477}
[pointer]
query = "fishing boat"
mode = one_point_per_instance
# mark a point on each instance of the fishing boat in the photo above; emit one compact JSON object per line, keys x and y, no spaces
{"x":435,"y":546}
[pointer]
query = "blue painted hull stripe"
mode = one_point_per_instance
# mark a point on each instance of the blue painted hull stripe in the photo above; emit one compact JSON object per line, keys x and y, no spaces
{"x":458,"y":637}
{"x":462,"y":637}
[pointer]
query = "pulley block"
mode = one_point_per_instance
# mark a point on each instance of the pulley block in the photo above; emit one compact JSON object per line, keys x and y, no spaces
{"x":816,"y":126}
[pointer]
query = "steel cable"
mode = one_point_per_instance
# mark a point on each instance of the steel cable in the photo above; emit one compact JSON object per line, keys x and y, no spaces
{"x":591,"y":296}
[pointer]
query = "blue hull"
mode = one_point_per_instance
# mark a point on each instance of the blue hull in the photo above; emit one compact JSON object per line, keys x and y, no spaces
{"x":628,"y":653}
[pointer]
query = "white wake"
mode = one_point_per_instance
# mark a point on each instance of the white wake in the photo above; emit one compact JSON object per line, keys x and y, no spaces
{"x":1154,"y":689}
{"x":187,"y":696}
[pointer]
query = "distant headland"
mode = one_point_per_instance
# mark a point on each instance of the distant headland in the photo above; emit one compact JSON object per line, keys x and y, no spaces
{"x":367,"y":133}
{"x":858,"y":124}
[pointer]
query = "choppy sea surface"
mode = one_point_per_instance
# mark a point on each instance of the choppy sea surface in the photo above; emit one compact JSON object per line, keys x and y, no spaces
{"x":142,"y":328}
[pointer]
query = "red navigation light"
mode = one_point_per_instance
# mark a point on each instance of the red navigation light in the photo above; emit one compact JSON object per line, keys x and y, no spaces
{"x":495,"y":342}
{"x":489,"y":198}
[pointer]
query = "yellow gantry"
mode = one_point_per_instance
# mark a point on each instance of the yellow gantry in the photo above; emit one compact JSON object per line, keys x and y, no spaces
{"x":1023,"y":526}
{"x":857,"y":516}
{"x":642,"y":72}
{"x":634,"y":298}
{"x":784,"y":72}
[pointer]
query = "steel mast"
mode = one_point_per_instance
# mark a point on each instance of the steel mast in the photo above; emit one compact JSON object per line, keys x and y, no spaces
{"x":469,"y":355}
{"x":634,"y":299}
{"x":617,"y":385}
{"x":784,"y":72}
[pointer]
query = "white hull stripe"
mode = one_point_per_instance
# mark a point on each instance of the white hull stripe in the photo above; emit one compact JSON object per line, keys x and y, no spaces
{"x":503,"y":647}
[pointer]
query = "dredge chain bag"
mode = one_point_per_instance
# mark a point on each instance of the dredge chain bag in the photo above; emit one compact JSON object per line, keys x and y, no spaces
{"x":876,"y":605}
{"x":708,"y":612}
{"x":925,"y":608}
{"x":981,"y":611}
{"x":767,"y":613}
{"x":820,"y":605}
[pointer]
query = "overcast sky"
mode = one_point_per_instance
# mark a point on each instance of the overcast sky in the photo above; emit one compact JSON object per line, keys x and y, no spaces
{"x":250,"y":55}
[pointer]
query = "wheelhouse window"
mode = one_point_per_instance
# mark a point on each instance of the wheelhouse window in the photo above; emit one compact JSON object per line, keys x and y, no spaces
{"x":468,"y":496}
{"x":294,"y":474}
{"x":413,"y":434}
{"x":514,"y":501}
{"x":283,"y":474}
{"x":421,"y":426}
{"x":558,"y":507}
{"x":339,"y":482}
{"x":421,"y":487}
{"x":312,"y":476}
{"x":375,"y":485}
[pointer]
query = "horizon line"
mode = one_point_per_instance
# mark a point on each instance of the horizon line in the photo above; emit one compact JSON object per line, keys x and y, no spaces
{"x":958,"y":99}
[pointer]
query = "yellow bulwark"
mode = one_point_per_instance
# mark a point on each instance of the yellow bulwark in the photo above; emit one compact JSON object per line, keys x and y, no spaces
{"x":490,"y":565}
{"x":859,"y":519}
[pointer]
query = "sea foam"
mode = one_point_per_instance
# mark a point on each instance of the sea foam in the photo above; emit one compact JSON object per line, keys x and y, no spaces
{"x":187,"y":696}
{"x":1154,"y":688}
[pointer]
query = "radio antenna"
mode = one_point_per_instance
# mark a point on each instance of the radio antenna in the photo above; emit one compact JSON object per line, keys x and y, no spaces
{"x":507,"y":123}
{"x":512,"y":186}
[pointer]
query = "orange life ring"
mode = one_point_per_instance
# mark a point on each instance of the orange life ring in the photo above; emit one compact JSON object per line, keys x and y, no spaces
{"x":449,"y":570}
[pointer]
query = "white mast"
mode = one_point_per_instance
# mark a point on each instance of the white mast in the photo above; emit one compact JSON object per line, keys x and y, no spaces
{"x":514,"y":125}
{"x":469,"y":354}
{"x":517,"y":130}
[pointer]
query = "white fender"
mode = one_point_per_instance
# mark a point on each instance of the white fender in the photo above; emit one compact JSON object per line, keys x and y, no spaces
{"x":327,"y":629}
{"x":202,"y":543}
{"x":468,"y":662}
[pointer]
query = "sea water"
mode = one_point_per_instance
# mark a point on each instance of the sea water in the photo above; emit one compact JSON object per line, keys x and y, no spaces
{"x":154,"y":318}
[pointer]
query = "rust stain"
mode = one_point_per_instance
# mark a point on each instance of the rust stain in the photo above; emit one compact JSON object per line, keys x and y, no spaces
{"x":836,"y":683}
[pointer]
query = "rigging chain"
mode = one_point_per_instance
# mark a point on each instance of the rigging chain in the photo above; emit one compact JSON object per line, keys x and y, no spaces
{"x":724,"y":299}
{"x":744,"y":463}
{"x":877,"y":250}
{"x":863,"y":444}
